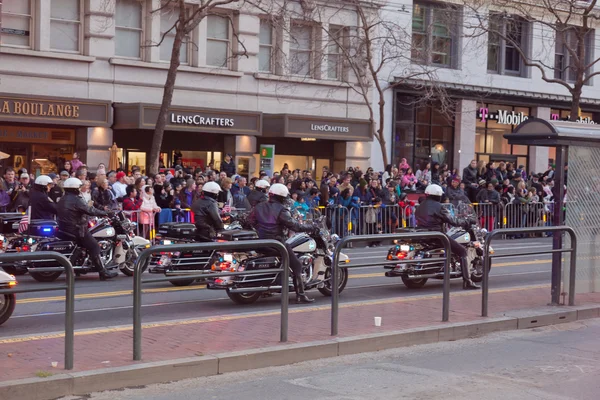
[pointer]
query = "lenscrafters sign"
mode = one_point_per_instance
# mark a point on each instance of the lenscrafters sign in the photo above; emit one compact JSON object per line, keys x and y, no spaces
{"x":200,"y":120}
{"x":329,"y":128}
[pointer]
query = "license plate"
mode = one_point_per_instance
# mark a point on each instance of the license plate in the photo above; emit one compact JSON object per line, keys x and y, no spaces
{"x":228,"y":257}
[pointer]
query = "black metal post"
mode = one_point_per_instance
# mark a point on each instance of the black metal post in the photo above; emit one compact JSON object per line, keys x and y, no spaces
{"x":556,"y":230}
{"x":232,"y":246}
{"x":345,"y":242}
{"x":557,"y":241}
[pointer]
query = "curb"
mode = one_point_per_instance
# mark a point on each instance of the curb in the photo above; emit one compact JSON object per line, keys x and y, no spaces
{"x":81,"y":383}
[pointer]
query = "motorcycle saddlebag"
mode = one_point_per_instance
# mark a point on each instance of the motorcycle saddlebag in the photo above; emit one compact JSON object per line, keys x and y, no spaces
{"x":60,"y":246}
{"x":237,"y":234}
{"x":43,"y":227}
{"x":179,"y":230}
{"x":9,"y":223}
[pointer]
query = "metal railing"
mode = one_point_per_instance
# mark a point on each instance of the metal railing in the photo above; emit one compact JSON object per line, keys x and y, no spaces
{"x":68,"y":288}
{"x":225,"y":246}
{"x":555,"y":292}
{"x":391,"y":237}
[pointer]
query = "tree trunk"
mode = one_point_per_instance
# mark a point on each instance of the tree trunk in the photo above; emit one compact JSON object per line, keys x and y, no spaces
{"x":163,"y":113}
{"x":576,"y":99}
{"x":381,"y":138}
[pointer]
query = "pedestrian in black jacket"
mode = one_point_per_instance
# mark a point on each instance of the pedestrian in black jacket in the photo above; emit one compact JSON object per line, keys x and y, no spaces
{"x":228,"y":166}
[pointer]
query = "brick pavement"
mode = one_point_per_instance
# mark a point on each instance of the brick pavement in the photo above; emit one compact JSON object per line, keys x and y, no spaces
{"x":25,"y":357}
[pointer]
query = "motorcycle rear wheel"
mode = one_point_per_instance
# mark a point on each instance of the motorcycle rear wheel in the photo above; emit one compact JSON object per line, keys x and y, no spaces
{"x":244,"y":298}
{"x":414,"y":283}
{"x":45,"y":276}
{"x":7,"y":306}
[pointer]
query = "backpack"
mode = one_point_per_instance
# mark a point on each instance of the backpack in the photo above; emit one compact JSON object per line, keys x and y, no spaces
{"x":371,"y":216}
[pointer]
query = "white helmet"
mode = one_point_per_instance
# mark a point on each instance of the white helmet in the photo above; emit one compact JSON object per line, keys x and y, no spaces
{"x":434,"y":190}
{"x":72,"y":183}
{"x":43,"y":180}
{"x":262,"y":184}
{"x":279,"y":189}
{"x":211,"y":187}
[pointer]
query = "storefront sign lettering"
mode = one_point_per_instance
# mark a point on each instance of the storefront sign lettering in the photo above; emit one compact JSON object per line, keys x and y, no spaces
{"x":25,"y":134}
{"x":581,"y":120}
{"x":202,"y":121}
{"x":502,"y":116}
{"x":329,"y":128}
{"x":29,"y":108}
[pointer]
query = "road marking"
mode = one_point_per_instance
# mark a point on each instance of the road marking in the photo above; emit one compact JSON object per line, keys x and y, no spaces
{"x":109,"y":294}
{"x":20,"y":339}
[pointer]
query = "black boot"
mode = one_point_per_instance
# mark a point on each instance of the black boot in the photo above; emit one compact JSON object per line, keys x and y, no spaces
{"x":467,"y":282}
{"x":301,"y":297}
{"x":102,"y":271}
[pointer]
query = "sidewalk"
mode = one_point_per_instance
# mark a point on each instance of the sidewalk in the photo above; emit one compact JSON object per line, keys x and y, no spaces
{"x":28,"y":357}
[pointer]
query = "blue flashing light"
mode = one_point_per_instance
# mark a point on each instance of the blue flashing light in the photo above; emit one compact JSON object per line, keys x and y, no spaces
{"x":46,"y":229}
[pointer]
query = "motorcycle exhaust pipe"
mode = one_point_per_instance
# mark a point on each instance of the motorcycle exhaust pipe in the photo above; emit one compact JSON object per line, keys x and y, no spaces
{"x":186,"y":272}
{"x":254,"y":289}
{"x":50,"y":269}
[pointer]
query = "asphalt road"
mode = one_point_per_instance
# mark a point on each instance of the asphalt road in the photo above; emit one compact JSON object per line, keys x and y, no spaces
{"x":559,"y":362}
{"x":103,"y":304}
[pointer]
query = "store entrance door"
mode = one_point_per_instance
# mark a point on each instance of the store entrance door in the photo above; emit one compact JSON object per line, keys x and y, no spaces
{"x":19,"y":155}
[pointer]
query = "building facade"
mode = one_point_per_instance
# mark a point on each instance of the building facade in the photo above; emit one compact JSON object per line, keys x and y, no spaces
{"x":78,"y":75}
{"x":491,"y":88}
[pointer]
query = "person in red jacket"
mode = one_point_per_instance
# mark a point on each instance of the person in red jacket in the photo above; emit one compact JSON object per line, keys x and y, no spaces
{"x":132,"y":202}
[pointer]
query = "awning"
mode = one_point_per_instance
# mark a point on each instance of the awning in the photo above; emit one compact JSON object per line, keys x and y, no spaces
{"x":179,"y":118}
{"x":311,"y":127}
{"x":540,"y":132}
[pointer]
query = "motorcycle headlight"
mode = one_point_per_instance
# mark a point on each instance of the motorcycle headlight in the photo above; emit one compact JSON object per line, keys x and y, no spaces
{"x":483,"y":231}
{"x":335,"y":238}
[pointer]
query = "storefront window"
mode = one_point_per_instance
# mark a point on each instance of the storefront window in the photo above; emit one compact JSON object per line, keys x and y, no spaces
{"x":493,"y":122}
{"x":424,"y":133}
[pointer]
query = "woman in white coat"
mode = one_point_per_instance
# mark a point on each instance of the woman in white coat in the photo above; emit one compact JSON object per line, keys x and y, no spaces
{"x":148,"y":209}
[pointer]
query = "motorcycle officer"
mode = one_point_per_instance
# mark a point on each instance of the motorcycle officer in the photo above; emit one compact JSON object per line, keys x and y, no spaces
{"x":206,"y":212}
{"x":270,"y":218}
{"x":72,"y":220}
{"x":259,"y":193}
{"x":431,"y":216}
{"x":39,"y":201}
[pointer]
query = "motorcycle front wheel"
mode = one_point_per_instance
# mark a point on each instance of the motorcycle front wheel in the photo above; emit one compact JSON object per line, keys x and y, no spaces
{"x":413,"y":283}
{"x":477,"y":274}
{"x":7,"y":306}
{"x":326,"y":290}
{"x":244,"y":298}
{"x":127,"y":267}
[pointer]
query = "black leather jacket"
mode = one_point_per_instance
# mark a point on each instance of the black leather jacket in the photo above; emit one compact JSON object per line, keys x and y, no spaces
{"x":431,"y":216}
{"x":72,"y":214}
{"x":41,"y":205}
{"x":271,"y":219}
{"x":208,"y":220}
{"x":256,"y":196}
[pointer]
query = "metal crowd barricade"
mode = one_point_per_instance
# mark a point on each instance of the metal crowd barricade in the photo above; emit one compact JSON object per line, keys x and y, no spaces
{"x":527,"y":215}
{"x":489,"y":215}
{"x":231,"y":246}
{"x":408,"y":216}
{"x":376,"y":219}
{"x":555,"y":292}
{"x":391,"y":237}
{"x":68,"y":288}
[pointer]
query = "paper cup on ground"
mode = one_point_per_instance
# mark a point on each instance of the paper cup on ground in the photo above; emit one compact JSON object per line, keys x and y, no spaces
{"x":54,"y":364}
{"x":377,"y":321}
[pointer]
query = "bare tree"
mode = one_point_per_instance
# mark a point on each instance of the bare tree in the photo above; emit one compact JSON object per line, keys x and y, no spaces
{"x":565,"y":30}
{"x":187,"y":20}
{"x":379,"y":55}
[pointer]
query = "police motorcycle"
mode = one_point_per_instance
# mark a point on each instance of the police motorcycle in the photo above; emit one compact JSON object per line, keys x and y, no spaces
{"x":119,"y":247}
{"x":7,"y":301}
{"x":415,"y":275}
{"x":314,"y":250}
{"x":176,"y":263}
